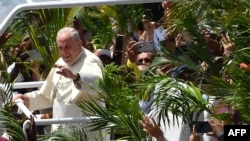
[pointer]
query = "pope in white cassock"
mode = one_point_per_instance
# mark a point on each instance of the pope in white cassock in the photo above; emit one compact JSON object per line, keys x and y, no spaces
{"x":68,"y":82}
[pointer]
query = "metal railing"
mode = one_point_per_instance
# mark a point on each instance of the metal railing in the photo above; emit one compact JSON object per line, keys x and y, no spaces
{"x":33,"y":84}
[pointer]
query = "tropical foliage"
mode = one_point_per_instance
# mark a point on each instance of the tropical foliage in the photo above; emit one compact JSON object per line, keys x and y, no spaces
{"x":119,"y":89}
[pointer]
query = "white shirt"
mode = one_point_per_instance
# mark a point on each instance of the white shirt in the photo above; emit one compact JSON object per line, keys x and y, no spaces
{"x":172,"y":130}
{"x":20,"y":77}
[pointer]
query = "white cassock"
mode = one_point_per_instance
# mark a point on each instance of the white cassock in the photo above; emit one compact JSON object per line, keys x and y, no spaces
{"x":63,"y":93}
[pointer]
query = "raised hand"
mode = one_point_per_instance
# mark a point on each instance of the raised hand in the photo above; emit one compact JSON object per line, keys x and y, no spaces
{"x":149,"y":126}
{"x":131,"y":50}
{"x":217,"y":127}
{"x":227,"y":44}
{"x":194,"y":136}
{"x":64,"y":71}
{"x":4,"y":38}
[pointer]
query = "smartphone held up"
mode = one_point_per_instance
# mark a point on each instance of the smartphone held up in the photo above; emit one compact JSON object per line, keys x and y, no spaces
{"x":202,"y":127}
{"x":145,"y":46}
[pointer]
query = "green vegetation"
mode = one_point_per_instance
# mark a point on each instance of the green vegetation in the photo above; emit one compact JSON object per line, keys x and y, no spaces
{"x":118,"y":89}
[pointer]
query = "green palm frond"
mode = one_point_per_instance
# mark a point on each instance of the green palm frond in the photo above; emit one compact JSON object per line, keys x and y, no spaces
{"x":235,"y":92}
{"x":43,"y":33}
{"x":180,"y":99}
{"x":8,"y":119}
{"x":75,"y":134}
{"x":106,"y":15}
{"x":8,"y":122}
{"x":216,"y":16}
{"x":118,"y":88}
{"x":122,"y":113}
{"x":100,"y":33}
{"x":123,"y":14}
{"x":10,"y":125}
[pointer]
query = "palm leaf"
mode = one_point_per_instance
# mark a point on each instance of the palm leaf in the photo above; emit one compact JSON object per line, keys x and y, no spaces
{"x":9,"y":122}
{"x":122,"y":112}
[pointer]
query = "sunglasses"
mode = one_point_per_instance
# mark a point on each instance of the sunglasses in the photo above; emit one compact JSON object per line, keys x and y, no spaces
{"x":144,"y":60}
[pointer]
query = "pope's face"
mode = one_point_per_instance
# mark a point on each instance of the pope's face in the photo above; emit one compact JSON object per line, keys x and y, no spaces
{"x":68,"y":47}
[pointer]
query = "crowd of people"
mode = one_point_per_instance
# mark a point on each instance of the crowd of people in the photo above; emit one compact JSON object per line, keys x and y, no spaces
{"x":80,"y":65}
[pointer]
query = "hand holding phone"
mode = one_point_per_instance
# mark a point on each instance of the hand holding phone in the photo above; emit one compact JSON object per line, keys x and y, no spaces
{"x":33,"y":55}
{"x":145,"y":46}
{"x":119,"y":42}
{"x":203,"y":127}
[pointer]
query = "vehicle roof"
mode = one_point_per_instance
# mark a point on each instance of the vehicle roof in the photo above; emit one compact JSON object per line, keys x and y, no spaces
{"x":10,"y":8}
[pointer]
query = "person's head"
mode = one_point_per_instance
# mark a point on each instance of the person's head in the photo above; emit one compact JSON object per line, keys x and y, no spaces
{"x":185,"y":73}
{"x":144,"y":60}
{"x":69,"y":44}
{"x":104,"y":55}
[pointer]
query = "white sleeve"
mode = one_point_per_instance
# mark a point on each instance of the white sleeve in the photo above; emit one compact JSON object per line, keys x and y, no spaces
{"x":10,"y":68}
{"x":38,"y":101}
